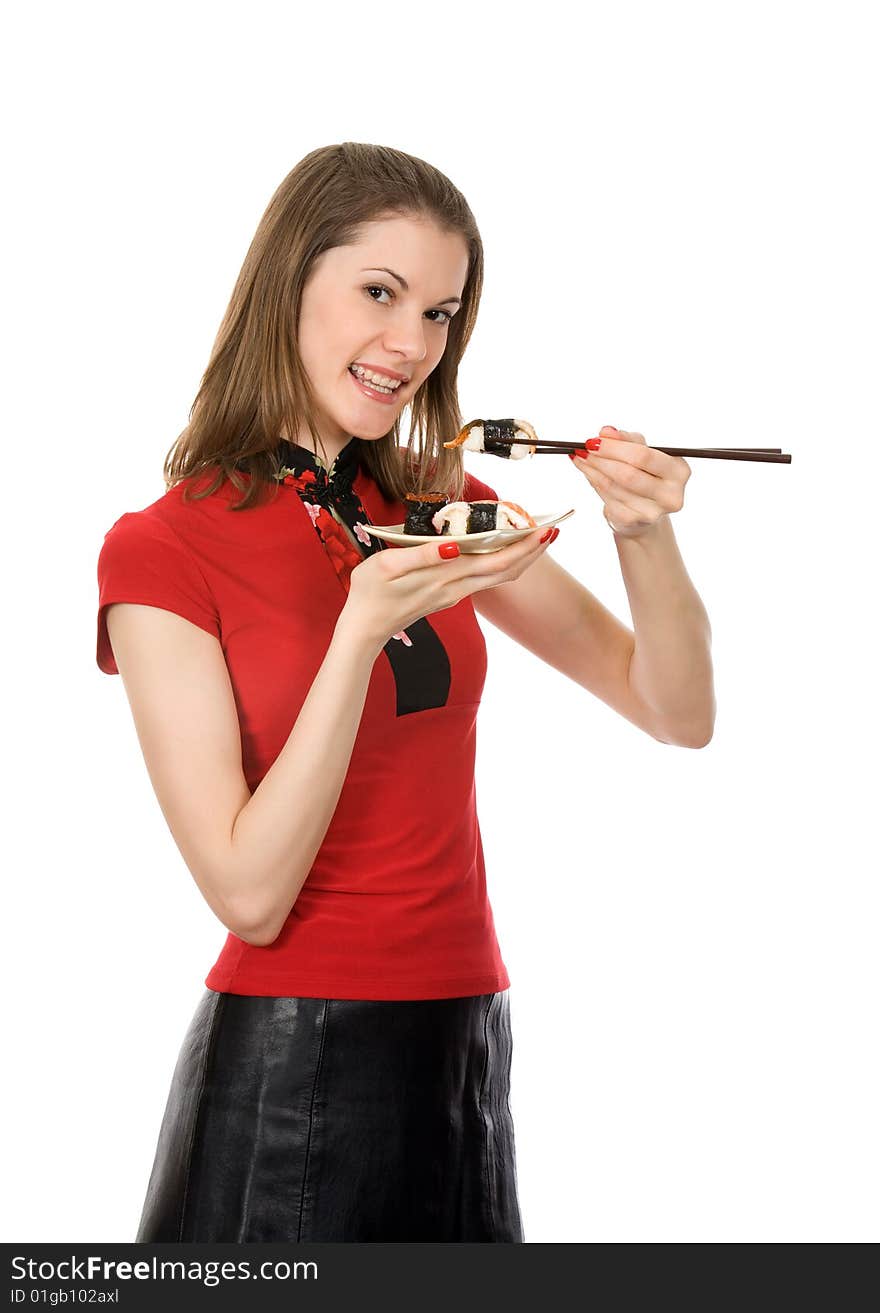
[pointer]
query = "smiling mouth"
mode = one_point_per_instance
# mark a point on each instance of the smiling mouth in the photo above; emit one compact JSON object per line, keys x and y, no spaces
{"x":394,"y":386}
{"x":378,"y":388}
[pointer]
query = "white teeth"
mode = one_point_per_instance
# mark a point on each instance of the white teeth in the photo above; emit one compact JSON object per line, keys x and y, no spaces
{"x":381,"y":382}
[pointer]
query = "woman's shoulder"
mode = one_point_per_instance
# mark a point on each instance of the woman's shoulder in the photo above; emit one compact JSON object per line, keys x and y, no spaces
{"x":146,"y":558}
{"x":179,"y":510}
{"x":140,"y":539}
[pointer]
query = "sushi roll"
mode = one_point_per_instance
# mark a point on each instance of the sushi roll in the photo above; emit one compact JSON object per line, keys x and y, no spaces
{"x":493,"y":436}
{"x":461,"y":517}
{"x":420,"y":512}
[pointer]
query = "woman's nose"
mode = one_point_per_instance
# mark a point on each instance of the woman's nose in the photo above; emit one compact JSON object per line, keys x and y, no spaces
{"x":407,"y":341}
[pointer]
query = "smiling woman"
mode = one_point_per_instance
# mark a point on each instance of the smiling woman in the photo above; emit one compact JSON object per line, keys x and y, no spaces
{"x":346,"y":1074}
{"x":368,"y":348}
{"x":319,"y":251}
{"x":295,"y":681}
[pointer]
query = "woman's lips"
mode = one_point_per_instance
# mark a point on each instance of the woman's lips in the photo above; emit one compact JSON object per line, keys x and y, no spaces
{"x":386,"y":398}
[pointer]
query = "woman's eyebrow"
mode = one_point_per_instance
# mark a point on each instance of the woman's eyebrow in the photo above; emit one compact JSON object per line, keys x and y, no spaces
{"x":403,"y":283}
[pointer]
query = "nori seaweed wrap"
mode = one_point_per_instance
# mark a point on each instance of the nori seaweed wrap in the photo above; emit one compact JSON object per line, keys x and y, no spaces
{"x":420,"y":512}
{"x":483,"y":516}
{"x":497,"y":435}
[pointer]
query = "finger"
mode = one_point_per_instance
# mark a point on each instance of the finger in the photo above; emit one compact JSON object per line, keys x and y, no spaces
{"x":614,"y":479}
{"x":621,"y":515}
{"x":502,"y":558}
{"x":421,"y":557}
{"x":623,"y":435}
{"x":427,"y":555}
{"x":487,"y":569}
{"x":625,"y":475}
{"x":633,"y":510}
{"x":609,"y":491}
{"x":632,"y":449}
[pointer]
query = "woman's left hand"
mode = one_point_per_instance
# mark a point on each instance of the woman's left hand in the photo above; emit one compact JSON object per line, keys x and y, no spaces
{"x":638,"y":484}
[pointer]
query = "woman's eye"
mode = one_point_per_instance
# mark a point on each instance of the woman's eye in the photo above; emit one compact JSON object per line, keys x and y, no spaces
{"x":378,"y":287}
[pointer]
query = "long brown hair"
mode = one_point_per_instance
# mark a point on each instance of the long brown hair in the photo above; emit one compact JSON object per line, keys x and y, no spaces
{"x":255,"y":383}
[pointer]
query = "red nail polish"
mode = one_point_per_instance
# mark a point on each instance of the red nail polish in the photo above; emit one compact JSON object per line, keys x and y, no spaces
{"x":555,"y":534}
{"x":545,"y":536}
{"x":593,"y":444}
{"x":448,"y":551}
{"x":583,"y":453}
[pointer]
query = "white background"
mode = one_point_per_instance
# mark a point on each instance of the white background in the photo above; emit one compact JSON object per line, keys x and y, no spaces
{"x":681,"y":238}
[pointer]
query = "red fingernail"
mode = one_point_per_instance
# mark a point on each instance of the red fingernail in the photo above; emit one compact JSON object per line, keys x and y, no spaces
{"x":448,"y":550}
{"x":555,"y":534}
{"x":583,"y":453}
{"x":545,"y":536}
{"x":593,"y":444}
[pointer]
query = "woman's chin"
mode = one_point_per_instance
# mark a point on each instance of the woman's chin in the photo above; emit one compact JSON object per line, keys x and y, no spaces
{"x":369,"y":428}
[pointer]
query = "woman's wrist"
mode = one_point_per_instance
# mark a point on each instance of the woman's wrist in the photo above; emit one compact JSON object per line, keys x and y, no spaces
{"x":352,"y":636}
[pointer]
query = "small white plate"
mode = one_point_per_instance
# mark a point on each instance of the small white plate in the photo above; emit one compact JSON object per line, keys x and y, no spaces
{"x":469,"y":543}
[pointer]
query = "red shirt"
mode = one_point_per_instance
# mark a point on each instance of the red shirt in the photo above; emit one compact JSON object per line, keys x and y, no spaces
{"x":395,"y":905}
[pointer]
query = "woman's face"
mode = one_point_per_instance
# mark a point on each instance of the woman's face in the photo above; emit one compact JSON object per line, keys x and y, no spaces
{"x":355,"y":311}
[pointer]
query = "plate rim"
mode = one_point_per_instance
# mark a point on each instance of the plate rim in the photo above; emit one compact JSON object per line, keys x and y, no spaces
{"x":416,"y":539}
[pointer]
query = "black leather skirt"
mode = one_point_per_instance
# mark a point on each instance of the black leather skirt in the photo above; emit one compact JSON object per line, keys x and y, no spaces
{"x":317,"y":1120}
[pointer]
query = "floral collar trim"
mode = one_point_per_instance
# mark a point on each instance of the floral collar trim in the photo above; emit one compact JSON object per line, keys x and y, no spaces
{"x":297,"y":462}
{"x":322,"y":491}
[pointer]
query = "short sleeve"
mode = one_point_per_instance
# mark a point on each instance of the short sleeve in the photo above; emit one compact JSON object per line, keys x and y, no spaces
{"x":143,"y":560}
{"x":476,"y":490}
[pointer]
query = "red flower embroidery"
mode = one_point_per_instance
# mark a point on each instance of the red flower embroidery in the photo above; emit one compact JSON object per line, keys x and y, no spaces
{"x":301,"y":481}
{"x":336,"y":541}
{"x":339,"y":548}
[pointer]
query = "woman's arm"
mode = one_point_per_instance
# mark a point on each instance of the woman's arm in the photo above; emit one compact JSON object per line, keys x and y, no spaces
{"x":293,"y":805}
{"x":671,"y":664}
{"x":248,"y":853}
{"x":658,"y":677}
{"x":553,"y":616}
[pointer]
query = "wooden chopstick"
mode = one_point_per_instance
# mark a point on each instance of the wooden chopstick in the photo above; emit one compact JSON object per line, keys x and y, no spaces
{"x":733,"y":453}
{"x":772,"y":454}
{"x":568,"y":446}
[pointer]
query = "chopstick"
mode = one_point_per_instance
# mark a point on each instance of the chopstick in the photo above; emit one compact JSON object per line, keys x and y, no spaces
{"x":772,"y":454}
{"x":568,"y":446}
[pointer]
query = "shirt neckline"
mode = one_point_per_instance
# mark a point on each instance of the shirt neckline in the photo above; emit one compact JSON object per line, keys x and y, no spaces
{"x":294,"y":459}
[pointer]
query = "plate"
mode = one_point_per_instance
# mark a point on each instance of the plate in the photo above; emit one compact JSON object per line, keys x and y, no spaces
{"x":469,"y":543}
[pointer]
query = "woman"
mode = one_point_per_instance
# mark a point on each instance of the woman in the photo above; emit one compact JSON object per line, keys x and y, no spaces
{"x":306,"y":698}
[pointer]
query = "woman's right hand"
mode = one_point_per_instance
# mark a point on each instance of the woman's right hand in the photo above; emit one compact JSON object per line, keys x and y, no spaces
{"x":393,"y":588}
